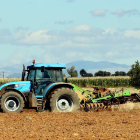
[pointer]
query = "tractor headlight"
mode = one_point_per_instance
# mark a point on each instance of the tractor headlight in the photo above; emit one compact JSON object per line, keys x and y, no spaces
{"x":19,"y":85}
{"x":16,"y":85}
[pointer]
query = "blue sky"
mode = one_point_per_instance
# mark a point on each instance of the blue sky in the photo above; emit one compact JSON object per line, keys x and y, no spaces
{"x":68,"y":30}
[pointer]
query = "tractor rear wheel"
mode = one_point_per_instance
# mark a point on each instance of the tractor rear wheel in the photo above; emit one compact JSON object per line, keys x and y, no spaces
{"x":64,"y":100}
{"x":12,"y":102}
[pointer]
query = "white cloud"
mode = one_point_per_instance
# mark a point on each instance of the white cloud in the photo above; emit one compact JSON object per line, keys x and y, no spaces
{"x":78,"y":35}
{"x":122,"y":12}
{"x":80,"y":42}
{"x":40,"y":37}
{"x":119,"y":12}
{"x":84,"y":39}
{"x":79,"y":29}
{"x":99,"y":12}
{"x":110,"y":31}
{"x":133,"y":33}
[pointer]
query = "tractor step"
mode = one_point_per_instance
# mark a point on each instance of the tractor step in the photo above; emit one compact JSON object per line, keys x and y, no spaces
{"x":40,"y":105}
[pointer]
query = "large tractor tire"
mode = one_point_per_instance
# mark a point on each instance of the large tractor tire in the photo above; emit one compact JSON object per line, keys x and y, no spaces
{"x":64,"y":100}
{"x":12,"y":102}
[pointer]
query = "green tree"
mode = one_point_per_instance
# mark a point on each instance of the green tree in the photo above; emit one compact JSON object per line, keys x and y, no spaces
{"x":83,"y":73}
{"x":120,"y":73}
{"x":106,"y":73}
{"x":134,"y":73}
{"x":72,"y":72}
{"x":117,"y":73}
{"x":99,"y":73}
{"x":102,"y":73}
{"x":89,"y":75}
{"x":129,"y":73}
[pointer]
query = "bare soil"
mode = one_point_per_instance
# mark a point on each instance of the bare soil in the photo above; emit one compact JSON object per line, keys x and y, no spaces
{"x":103,"y":125}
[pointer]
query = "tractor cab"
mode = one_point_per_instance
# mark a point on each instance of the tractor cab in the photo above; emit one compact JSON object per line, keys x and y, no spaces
{"x":43,"y":75}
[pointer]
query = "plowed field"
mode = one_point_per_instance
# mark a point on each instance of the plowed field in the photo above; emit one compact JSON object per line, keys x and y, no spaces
{"x":103,"y":125}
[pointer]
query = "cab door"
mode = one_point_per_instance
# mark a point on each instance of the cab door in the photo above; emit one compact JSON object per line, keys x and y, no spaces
{"x":43,"y":79}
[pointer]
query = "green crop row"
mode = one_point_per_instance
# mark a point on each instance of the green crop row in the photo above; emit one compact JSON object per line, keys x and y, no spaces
{"x":120,"y":82}
{"x":104,"y":82}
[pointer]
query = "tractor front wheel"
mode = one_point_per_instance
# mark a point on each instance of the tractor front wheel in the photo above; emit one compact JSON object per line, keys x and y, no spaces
{"x":64,"y":100}
{"x":12,"y":102}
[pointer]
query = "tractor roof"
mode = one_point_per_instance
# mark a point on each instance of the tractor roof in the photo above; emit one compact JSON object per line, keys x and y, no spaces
{"x":48,"y":65}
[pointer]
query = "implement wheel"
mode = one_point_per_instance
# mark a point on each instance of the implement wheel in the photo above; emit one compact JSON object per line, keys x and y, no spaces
{"x":64,"y":100}
{"x":12,"y":102}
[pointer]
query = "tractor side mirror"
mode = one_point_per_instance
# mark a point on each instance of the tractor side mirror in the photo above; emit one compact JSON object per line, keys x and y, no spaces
{"x":42,"y":68}
{"x":23,"y":73}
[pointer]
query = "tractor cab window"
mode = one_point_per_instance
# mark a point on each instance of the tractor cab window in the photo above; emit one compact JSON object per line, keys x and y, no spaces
{"x":47,"y":74}
{"x":58,"y":76}
{"x":31,"y":75}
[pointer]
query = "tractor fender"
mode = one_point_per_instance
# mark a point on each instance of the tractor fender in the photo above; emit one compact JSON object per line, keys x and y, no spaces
{"x":54,"y":86}
{"x":6,"y":89}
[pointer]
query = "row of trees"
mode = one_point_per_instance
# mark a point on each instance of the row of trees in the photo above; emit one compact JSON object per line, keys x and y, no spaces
{"x":73,"y":73}
{"x":134,"y":73}
{"x":105,"y":73}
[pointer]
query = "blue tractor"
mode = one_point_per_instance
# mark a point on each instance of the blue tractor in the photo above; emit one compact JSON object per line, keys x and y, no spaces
{"x":43,"y":89}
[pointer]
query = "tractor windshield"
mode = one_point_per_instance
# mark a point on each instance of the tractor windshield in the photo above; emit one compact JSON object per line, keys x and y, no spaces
{"x":47,"y":74}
